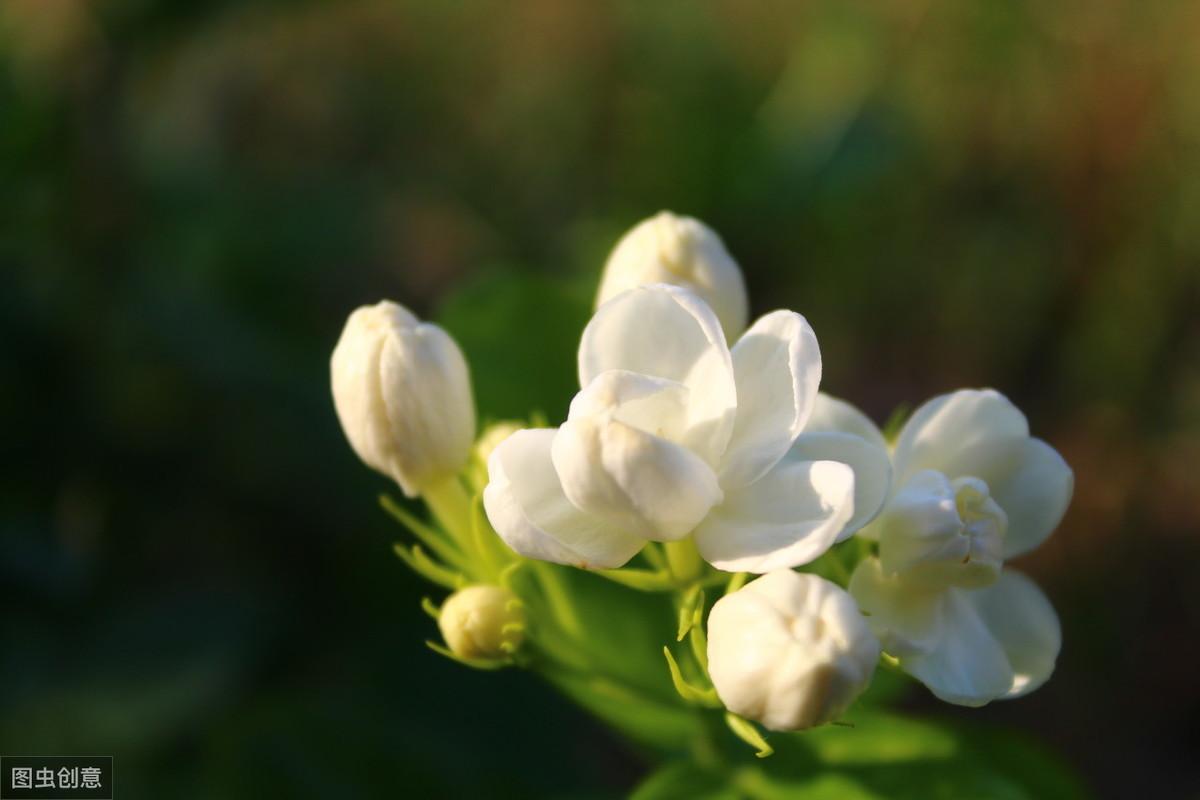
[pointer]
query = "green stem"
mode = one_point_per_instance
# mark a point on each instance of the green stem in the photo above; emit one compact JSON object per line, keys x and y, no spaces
{"x":683,"y":559}
{"x":451,"y":507}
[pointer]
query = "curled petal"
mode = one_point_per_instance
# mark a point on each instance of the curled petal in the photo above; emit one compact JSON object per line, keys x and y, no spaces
{"x":788,"y":517}
{"x":1034,"y":494}
{"x":639,"y":482}
{"x":525,"y":503}
{"x":968,"y":432}
{"x":941,"y":532}
{"x":654,"y":405}
{"x":777,"y":366}
{"x":667,"y":332}
{"x":870,"y":462}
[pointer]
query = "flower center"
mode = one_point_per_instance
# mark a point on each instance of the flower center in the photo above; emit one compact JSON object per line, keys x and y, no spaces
{"x":944,"y":533}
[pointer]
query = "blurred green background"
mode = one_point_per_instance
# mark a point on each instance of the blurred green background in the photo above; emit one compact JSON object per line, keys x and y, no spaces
{"x":194,"y":575}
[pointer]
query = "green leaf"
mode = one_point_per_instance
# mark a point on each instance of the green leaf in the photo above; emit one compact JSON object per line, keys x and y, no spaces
{"x":643,"y":718}
{"x":685,"y":779}
{"x":533,"y":364}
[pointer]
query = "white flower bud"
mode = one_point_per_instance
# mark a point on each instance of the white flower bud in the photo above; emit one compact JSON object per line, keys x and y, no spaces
{"x":403,"y":395}
{"x":789,"y":650}
{"x":482,"y":622}
{"x":684,"y":252}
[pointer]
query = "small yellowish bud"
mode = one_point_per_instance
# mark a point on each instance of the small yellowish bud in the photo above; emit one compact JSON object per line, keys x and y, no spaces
{"x":482,"y":622}
{"x":492,"y":436}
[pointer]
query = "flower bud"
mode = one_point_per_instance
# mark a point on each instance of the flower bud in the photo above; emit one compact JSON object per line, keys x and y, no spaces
{"x":681,"y":251}
{"x":789,"y":650}
{"x":403,"y":396}
{"x":482,"y":622}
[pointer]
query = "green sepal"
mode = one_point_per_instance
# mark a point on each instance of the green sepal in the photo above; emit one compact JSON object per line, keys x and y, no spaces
{"x":431,"y":537}
{"x":505,"y":578}
{"x":495,"y":556}
{"x":895,"y":423}
{"x":641,"y":579}
{"x":699,"y":642}
{"x":423,"y":565}
{"x":749,"y":734}
{"x":691,"y":611}
{"x":473,"y":663}
{"x":704,"y":697}
{"x":429,"y":608}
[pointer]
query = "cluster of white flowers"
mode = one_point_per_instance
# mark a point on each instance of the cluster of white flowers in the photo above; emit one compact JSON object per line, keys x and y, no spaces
{"x":676,"y":436}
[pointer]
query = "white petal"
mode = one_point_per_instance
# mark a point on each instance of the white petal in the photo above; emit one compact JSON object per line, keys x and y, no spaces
{"x":968,"y":432}
{"x":905,"y":616}
{"x":1035,"y":495}
{"x":788,"y":517}
{"x":968,"y":667}
{"x":426,"y":389}
{"x":1024,"y":624}
{"x":667,"y":332}
{"x":654,"y":405}
{"x":870,"y":462}
{"x":968,"y":646}
{"x":526,"y":505}
{"x":777,"y":365}
{"x":641,"y":483}
{"x":831,"y":414}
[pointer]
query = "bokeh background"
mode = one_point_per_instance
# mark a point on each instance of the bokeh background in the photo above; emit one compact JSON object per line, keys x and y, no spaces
{"x":194,"y":575}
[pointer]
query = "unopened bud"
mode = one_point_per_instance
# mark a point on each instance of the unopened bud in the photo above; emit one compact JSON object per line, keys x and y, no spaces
{"x":482,"y":622}
{"x":789,"y":650}
{"x":684,"y":252}
{"x":403,"y":395}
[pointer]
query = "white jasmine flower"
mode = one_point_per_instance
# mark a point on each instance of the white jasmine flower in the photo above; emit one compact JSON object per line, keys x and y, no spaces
{"x":971,"y":489}
{"x":403,"y":396}
{"x":482,"y":622}
{"x":789,"y":650}
{"x":673,"y":434}
{"x":684,"y":252}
